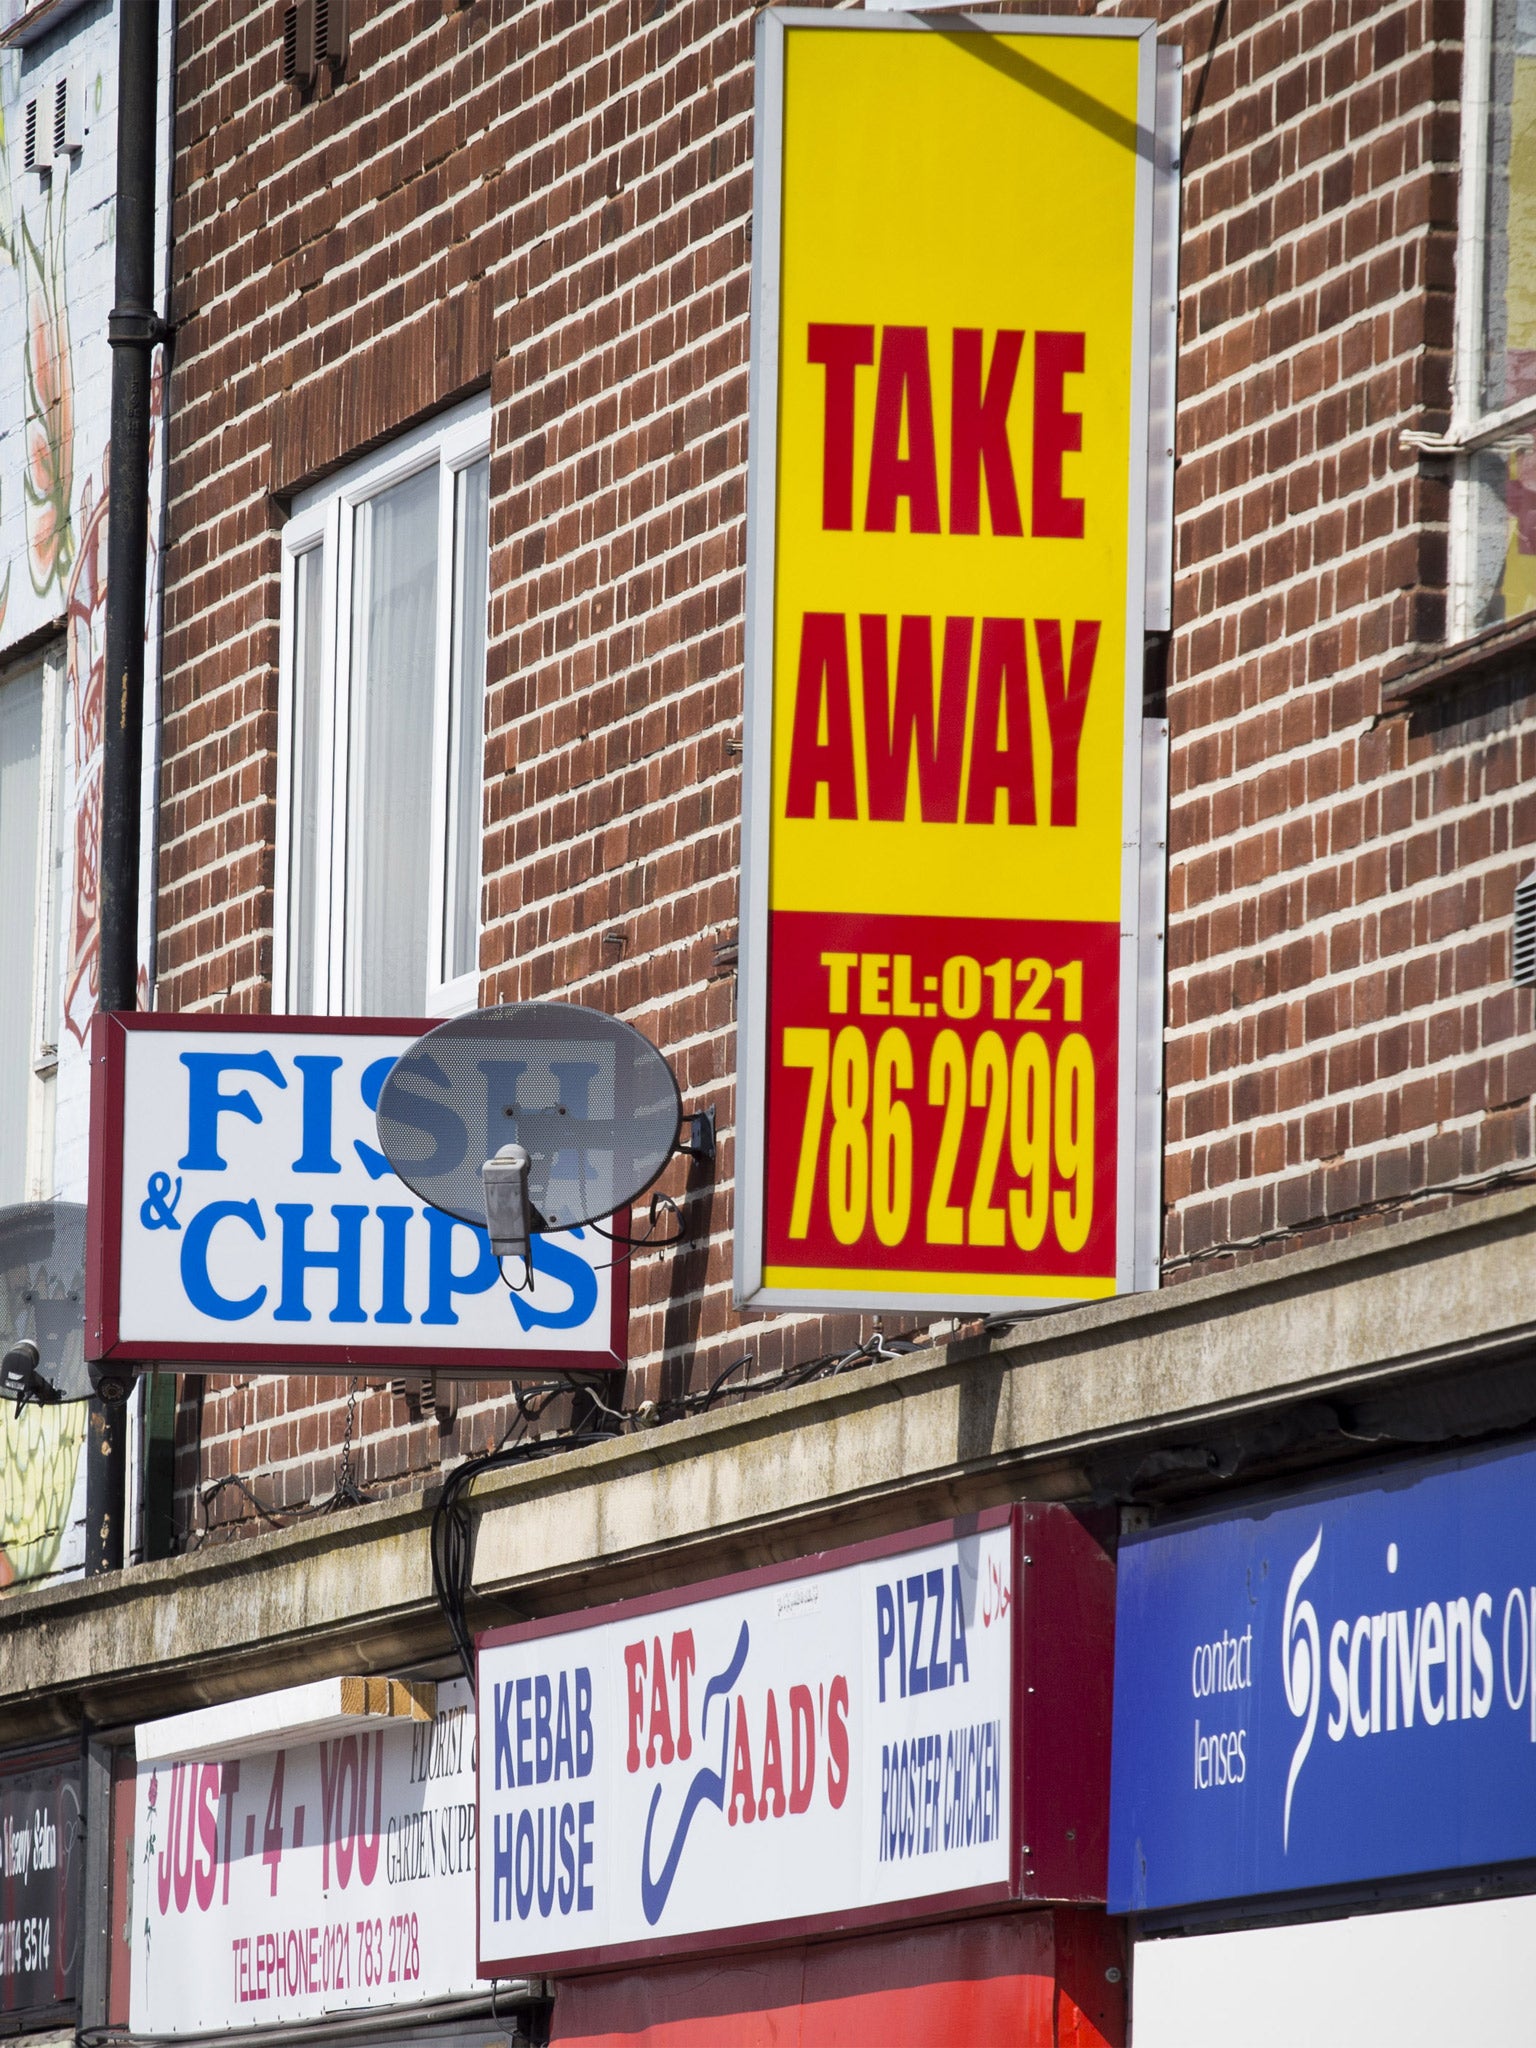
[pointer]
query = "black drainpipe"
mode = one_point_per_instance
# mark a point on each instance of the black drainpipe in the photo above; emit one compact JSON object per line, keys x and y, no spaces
{"x":133,"y":330}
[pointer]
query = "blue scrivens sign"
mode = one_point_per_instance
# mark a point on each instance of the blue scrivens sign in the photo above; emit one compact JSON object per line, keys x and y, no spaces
{"x":1328,"y":1689}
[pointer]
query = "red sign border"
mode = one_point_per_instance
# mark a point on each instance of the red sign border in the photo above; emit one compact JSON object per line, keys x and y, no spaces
{"x":104,"y":1228}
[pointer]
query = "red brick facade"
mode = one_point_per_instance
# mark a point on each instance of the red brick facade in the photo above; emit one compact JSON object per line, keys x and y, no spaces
{"x":556,"y":198}
{"x":1342,"y":1028}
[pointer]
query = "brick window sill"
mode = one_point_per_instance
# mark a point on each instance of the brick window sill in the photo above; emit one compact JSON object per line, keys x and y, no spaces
{"x":1440,"y":670}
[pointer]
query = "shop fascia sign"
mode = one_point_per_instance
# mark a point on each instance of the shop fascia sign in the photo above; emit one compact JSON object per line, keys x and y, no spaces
{"x":856,"y":1739}
{"x":303,"y":1881}
{"x":965,"y":260}
{"x":1332,"y":1687}
{"x":42,"y":1861}
{"x":241,"y":1212}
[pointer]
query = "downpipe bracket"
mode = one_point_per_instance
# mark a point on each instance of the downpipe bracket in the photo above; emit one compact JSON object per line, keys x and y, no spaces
{"x":137,"y":327}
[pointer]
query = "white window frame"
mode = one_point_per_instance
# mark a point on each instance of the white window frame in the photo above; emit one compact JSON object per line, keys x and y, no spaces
{"x":47,"y":949}
{"x":1471,"y":430}
{"x":39,"y":1180}
{"x":325,"y":516}
{"x":47,"y":952}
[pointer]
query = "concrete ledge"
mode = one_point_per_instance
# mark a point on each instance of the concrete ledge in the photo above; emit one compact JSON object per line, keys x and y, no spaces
{"x":1025,"y":1413}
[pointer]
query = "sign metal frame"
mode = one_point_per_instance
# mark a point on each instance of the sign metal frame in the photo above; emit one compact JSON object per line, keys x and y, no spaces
{"x":1144,"y":775}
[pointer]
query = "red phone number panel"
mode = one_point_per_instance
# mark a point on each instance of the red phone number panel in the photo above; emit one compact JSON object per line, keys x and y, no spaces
{"x":942,"y":1097}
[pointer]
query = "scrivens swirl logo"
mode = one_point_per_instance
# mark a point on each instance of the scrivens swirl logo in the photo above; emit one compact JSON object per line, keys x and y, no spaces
{"x":1303,"y":1667}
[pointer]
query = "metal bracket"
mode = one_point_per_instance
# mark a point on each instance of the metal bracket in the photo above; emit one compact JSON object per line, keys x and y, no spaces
{"x":136,"y":327}
{"x":428,"y":1392}
{"x":700,"y":1141}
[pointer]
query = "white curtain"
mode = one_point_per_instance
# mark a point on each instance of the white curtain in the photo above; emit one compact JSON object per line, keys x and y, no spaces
{"x":21,"y":754}
{"x":305,"y":879}
{"x":471,"y":548}
{"x":394,"y":624}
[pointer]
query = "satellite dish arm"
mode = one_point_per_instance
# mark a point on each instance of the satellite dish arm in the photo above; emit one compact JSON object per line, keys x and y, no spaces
{"x":699,"y":1142}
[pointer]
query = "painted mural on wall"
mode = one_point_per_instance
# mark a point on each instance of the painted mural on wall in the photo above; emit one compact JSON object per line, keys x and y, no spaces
{"x":86,"y":656}
{"x":50,"y":406}
{"x":39,"y":1477}
{"x":57,"y":247}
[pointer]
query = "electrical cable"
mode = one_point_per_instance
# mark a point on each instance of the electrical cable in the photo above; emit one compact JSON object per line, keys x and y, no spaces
{"x":650,"y":1242}
{"x":345,"y":1494}
{"x":512,"y":1286}
{"x":452,"y":1536}
{"x":1476,"y":1184}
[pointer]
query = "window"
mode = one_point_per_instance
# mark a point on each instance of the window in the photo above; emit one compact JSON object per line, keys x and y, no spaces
{"x":1492,"y":435}
{"x":383,"y":715}
{"x":31,"y":876}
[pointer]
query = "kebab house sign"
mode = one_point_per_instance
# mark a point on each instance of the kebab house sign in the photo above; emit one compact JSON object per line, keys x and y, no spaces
{"x":946,"y":619}
{"x":832,"y":1743}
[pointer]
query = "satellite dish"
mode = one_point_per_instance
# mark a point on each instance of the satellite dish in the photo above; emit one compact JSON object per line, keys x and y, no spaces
{"x":42,"y":1303}
{"x":590,"y":1101}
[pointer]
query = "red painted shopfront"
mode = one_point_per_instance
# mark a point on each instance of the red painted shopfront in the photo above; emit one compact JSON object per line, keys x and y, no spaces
{"x":1011,"y":1980}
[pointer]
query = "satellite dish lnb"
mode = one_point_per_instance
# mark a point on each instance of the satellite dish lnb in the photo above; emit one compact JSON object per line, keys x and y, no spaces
{"x":42,"y":1303}
{"x":530,"y":1117}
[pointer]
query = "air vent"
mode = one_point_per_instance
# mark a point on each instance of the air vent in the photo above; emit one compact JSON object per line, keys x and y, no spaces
{"x":68,"y":123}
{"x":314,"y":33}
{"x":1525,"y":931}
{"x":29,"y":156}
{"x":331,"y":32}
{"x":299,"y":66}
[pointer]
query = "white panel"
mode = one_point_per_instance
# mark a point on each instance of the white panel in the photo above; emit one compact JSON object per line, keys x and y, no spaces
{"x":236,"y":1728}
{"x":1150,"y":980}
{"x":1163,"y":339}
{"x":1425,"y":1978}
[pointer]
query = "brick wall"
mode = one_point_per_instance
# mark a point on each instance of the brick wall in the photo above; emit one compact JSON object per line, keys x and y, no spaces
{"x":1342,"y":1027}
{"x":574,"y":181}
{"x":579,"y":180}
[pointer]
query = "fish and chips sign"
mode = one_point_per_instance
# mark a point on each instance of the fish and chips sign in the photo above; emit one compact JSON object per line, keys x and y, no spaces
{"x":945,"y":877}
{"x":241,"y":1212}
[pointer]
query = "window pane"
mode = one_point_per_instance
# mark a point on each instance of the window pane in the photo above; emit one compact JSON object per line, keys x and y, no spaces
{"x":471,"y":553}
{"x":53,"y":966}
{"x":1503,"y":490}
{"x":306,"y":875}
{"x":394,"y":619}
{"x":21,"y":758}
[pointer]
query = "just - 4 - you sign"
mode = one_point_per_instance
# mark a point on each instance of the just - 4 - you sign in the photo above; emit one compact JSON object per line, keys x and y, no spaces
{"x":297,"y":1883}
{"x":241,"y":1211}
{"x":838,"y":1742}
{"x":953,"y":841}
